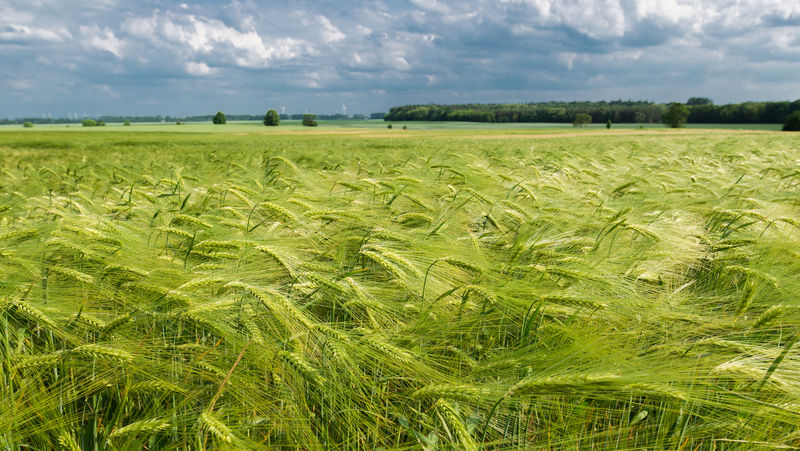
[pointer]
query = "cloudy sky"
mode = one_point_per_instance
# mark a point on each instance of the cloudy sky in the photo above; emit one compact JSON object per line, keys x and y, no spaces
{"x":63,"y":57}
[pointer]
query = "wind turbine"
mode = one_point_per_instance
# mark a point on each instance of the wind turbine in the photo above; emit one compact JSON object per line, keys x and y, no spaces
{"x":344,"y":110}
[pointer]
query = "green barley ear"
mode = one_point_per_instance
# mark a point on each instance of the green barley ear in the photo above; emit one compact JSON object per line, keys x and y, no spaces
{"x":66,"y":440}
{"x":302,"y":367}
{"x":412,"y":218}
{"x":181,"y":219}
{"x":102,"y":352}
{"x":288,"y":262}
{"x":478,"y":195}
{"x":73,"y":274}
{"x":768,"y":316}
{"x":278,"y":210}
{"x":216,"y":427}
{"x":35,"y":361}
{"x":18,"y":235}
{"x":143,"y":427}
{"x":462,"y":264}
{"x":155,"y":386}
{"x":562,"y":384}
{"x":279,"y":304}
{"x":453,"y":422}
{"x":393,"y":258}
{"x":746,"y":297}
{"x":238,"y":193}
{"x":656,"y":391}
{"x":33,"y":314}
{"x":117,"y":322}
{"x":453,"y":391}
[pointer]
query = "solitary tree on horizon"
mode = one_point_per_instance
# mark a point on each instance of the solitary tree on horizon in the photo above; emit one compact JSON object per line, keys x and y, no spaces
{"x":581,"y":119}
{"x":676,"y":115}
{"x":310,"y":120}
{"x":219,"y":118}
{"x":272,"y":118}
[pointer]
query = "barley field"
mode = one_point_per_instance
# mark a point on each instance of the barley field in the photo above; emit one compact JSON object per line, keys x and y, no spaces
{"x":389,"y":289}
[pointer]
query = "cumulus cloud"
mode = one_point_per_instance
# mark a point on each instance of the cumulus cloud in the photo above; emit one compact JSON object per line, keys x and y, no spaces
{"x":330,"y":33}
{"x":203,"y":35}
{"x":102,"y":39}
{"x":189,"y":36}
{"x":200,"y":69}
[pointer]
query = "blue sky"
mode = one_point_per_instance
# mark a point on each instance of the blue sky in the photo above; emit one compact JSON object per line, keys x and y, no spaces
{"x":64,"y":57}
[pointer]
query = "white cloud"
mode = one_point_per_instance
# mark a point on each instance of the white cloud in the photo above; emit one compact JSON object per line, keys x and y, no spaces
{"x":103,"y":39}
{"x":432,"y":5}
{"x":247,"y":48}
{"x":671,"y":11}
{"x":597,"y":19}
{"x":319,"y":24}
{"x":399,"y":63}
{"x":141,"y":27}
{"x":198,"y":69}
{"x":330,"y":33}
{"x":23,"y":33}
{"x":608,"y":19}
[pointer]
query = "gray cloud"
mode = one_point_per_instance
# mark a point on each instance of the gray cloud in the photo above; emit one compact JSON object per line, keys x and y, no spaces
{"x":180,"y":57}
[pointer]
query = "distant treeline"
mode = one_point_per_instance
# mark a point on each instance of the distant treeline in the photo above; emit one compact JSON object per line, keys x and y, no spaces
{"x":203,"y":118}
{"x":76,"y":120}
{"x":742,"y":113}
{"x":618,"y":111}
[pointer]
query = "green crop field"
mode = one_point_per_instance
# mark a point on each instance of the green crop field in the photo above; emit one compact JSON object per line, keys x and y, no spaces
{"x":348,"y":288}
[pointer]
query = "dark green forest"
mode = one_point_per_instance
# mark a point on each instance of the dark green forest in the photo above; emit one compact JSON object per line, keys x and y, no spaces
{"x":701,"y":111}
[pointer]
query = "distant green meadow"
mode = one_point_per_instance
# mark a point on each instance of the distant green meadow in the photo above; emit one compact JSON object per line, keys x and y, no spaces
{"x":295,"y":125}
{"x":448,"y":286}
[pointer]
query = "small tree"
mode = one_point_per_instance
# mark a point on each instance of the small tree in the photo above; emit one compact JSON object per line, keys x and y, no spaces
{"x":89,"y":123}
{"x":676,"y":115}
{"x":101,"y":123}
{"x":27,"y":124}
{"x":389,"y":126}
{"x":581,"y":119}
{"x":272,"y":118}
{"x":127,"y":123}
{"x":310,"y":120}
{"x":219,"y":118}
{"x":608,"y":123}
{"x":792,"y":123}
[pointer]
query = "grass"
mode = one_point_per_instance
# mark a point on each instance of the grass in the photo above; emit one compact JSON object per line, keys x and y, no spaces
{"x":440,"y":289}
